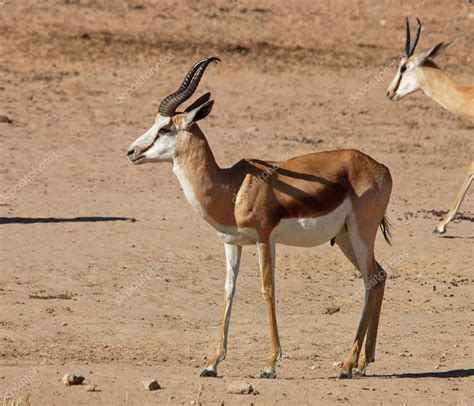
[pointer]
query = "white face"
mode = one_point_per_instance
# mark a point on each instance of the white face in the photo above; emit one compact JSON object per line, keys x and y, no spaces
{"x":405,"y":81}
{"x":156,"y":145}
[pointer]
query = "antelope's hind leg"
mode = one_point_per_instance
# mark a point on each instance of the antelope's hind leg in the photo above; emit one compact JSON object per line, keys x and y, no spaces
{"x":358,"y":247}
{"x":233,"y":254}
{"x":378,"y":284}
{"x":441,"y":227}
{"x":266,"y":256}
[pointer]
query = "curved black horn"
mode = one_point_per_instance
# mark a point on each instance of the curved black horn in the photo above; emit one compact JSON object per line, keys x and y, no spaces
{"x":165,"y":103}
{"x":406,"y":53}
{"x":193,"y":77}
{"x":417,"y":37}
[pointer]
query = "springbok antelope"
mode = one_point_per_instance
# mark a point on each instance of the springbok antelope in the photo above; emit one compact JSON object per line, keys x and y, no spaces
{"x":418,"y":71}
{"x":338,"y":196}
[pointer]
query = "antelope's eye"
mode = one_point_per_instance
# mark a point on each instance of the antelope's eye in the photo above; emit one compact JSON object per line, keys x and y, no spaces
{"x":403,"y":68}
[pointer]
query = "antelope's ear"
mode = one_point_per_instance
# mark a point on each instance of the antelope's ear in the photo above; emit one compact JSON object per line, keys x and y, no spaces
{"x":431,"y":53}
{"x":197,"y":114}
{"x":203,"y":99}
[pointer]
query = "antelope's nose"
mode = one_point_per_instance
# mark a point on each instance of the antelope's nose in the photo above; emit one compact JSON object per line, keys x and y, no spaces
{"x":131,"y":154}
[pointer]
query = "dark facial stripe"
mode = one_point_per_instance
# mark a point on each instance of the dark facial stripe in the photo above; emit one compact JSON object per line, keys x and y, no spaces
{"x":398,"y":84}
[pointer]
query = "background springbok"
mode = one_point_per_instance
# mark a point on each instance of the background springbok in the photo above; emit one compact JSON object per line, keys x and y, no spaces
{"x":338,"y":196}
{"x":418,"y":71}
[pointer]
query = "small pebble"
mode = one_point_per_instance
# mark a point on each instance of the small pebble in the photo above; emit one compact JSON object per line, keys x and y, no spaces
{"x":331,"y":310}
{"x":90,"y":388}
{"x":72,"y":379}
{"x":151,"y":384}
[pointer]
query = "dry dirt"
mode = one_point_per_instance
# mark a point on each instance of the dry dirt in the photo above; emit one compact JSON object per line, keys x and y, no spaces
{"x":87,"y":225}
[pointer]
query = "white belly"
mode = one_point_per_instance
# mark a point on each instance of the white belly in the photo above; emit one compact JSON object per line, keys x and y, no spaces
{"x":299,"y":232}
{"x":310,"y":232}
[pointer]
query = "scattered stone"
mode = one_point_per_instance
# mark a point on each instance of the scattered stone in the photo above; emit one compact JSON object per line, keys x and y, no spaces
{"x":151,"y":384}
{"x":5,"y":119}
{"x":90,"y":388}
{"x":331,"y":310}
{"x":72,"y":379}
{"x":239,"y":388}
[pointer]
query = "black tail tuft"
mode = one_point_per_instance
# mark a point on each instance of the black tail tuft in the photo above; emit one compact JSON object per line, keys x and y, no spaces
{"x":386,"y":228}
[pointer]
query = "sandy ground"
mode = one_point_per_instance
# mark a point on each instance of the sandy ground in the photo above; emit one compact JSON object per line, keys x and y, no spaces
{"x":79,"y":236}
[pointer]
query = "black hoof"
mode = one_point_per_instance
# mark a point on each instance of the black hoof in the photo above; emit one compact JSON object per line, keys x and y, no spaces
{"x":439,"y":232}
{"x":345,"y":375}
{"x":358,"y":372}
{"x":268,"y":374}
{"x":209,"y":373}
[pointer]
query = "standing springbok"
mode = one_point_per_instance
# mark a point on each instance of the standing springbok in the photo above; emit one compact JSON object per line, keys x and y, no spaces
{"x":338,"y":196}
{"x":418,"y":71}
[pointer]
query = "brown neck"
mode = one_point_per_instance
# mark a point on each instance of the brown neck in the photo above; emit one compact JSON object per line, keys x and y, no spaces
{"x":194,"y":154}
{"x":453,"y":96}
{"x":205,"y":184}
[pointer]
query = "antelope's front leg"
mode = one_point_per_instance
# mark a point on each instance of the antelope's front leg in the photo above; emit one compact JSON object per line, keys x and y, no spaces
{"x":266,"y":256}
{"x":232,"y":254}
